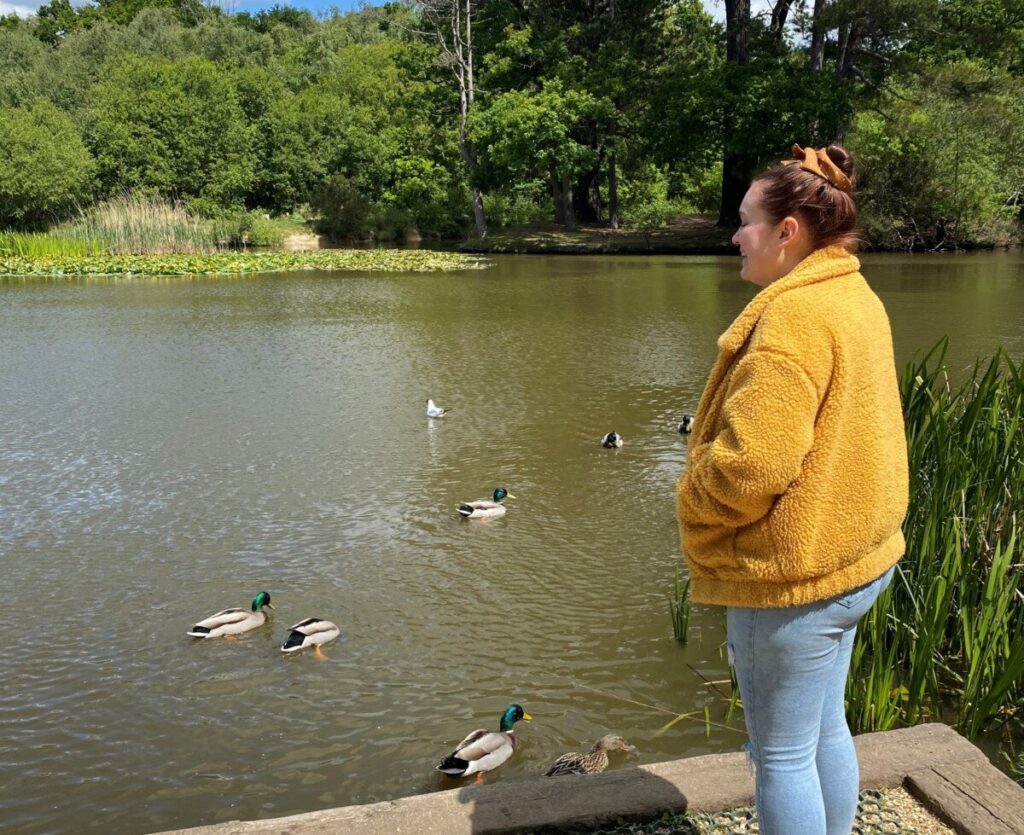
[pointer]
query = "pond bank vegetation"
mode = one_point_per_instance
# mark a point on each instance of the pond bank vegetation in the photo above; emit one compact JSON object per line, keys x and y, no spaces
{"x":239,"y":263}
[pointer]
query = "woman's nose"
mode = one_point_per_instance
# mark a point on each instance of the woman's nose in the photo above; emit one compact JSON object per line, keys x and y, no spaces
{"x":735,"y":235}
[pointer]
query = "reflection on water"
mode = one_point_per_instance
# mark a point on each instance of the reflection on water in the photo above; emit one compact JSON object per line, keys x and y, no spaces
{"x":171,"y":447}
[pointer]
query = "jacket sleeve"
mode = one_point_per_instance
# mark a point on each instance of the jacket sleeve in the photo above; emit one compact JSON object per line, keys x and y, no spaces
{"x":768,"y":414}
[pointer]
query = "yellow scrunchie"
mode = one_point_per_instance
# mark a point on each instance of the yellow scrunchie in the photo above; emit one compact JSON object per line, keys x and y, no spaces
{"x":818,"y":162}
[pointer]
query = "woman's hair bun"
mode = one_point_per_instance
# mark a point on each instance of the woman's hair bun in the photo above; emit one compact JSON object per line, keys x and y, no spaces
{"x":842,"y":158}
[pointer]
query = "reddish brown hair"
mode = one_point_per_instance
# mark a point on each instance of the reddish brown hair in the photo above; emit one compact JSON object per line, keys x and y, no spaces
{"x":828,"y":213}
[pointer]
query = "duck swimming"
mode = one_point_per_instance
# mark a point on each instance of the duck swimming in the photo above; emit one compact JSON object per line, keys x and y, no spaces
{"x":311,"y":632}
{"x":593,"y":762}
{"x":234,"y":621}
{"x":613,"y":440}
{"x":486,"y":508}
{"x":484,"y":750}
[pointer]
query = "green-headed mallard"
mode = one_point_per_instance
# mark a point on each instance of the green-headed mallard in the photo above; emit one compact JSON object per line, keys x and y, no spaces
{"x":686,"y":426}
{"x":435,"y":411}
{"x":484,"y":750}
{"x":234,"y":621}
{"x":485,"y":508}
{"x":613,"y":440}
{"x":592,"y":763}
{"x":311,"y":632}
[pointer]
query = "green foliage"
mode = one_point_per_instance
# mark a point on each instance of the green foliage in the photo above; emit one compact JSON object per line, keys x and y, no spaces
{"x":343,"y":209}
{"x":242,"y":263}
{"x":518,"y":203}
{"x":44,"y":245}
{"x":644,"y":199}
{"x":679,"y":606}
{"x":950,"y":628}
{"x":258,"y":111}
{"x":944,"y":167}
{"x":529,"y":134}
{"x":44,"y":167}
{"x":171,"y":128}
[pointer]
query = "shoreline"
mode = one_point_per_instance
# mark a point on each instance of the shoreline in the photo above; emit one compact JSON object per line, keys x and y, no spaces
{"x":687,"y":235}
{"x":948,"y":775}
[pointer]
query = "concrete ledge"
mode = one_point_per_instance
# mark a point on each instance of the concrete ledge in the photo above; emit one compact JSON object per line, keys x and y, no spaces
{"x":971,"y":798}
{"x":710,"y":783}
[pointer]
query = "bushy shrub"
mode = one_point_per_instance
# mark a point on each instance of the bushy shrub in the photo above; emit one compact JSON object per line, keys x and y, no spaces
{"x":644,"y":202}
{"x":342,"y":208}
{"x":943,"y":167}
{"x":45,"y":169}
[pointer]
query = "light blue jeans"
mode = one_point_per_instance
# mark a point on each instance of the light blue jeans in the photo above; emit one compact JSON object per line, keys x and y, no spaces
{"x":791,"y":665}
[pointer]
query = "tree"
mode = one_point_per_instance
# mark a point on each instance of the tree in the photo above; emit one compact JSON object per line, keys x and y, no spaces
{"x":527,"y":134}
{"x":175,"y":128}
{"x":45,"y":169}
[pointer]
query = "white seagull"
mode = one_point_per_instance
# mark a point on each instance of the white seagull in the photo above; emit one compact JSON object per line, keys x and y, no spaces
{"x":435,"y":411}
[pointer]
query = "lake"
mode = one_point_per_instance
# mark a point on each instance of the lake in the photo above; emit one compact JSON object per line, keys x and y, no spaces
{"x":172,"y":446}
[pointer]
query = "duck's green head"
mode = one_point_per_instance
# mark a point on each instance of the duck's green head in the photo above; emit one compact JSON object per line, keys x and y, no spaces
{"x":512,"y":714}
{"x":501,"y":494}
{"x":260,"y":600}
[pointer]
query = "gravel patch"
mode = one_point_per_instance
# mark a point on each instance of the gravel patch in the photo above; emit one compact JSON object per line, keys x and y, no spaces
{"x":889,"y":812}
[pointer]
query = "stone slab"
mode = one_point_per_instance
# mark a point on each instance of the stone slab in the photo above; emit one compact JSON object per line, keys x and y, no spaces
{"x":708,"y":783}
{"x":973,"y":798}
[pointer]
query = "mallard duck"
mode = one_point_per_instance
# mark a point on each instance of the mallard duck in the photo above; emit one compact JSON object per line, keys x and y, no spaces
{"x":686,"y":427}
{"x":311,"y":632}
{"x":485,"y":508}
{"x":435,"y":411}
{"x":234,"y":621}
{"x":593,"y":763}
{"x":484,"y":750}
{"x":613,"y":440}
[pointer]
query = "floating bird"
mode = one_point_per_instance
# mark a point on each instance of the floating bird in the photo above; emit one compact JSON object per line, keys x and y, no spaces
{"x":311,"y":632}
{"x":435,"y":411}
{"x":594,"y":762}
{"x":234,"y":621}
{"x":484,"y":750}
{"x":485,"y":508}
{"x":613,"y":440}
{"x":686,"y":427}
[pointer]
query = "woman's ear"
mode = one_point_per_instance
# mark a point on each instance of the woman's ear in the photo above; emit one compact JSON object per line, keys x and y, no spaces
{"x":788,"y":230}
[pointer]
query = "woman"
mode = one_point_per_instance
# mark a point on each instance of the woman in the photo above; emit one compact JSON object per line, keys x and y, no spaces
{"x":791,"y":504}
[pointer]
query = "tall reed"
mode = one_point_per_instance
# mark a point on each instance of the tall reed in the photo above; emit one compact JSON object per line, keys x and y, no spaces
{"x":679,"y":607}
{"x":45,"y":245}
{"x":947,"y":637}
{"x":136,"y":224}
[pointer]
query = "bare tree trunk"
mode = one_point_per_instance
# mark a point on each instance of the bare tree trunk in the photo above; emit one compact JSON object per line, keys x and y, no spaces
{"x":737,"y":30}
{"x":817,"y":37}
{"x":780,"y":11}
{"x":452,"y":27}
{"x":848,"y":43}
{"x":613,"y":193}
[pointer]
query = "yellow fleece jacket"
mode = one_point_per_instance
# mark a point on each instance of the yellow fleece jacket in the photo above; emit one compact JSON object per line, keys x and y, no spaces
{"x":797,"y":483}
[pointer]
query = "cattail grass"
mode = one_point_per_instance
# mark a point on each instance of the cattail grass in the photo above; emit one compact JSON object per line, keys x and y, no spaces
{"x":947,"y":637}
{"x":136,"y":224}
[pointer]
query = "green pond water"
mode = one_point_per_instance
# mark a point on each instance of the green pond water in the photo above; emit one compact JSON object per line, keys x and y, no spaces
{"x":172,"y":446}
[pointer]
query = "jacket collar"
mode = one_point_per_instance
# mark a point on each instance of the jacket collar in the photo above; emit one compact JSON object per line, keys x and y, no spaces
{"x":820,"y":265}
